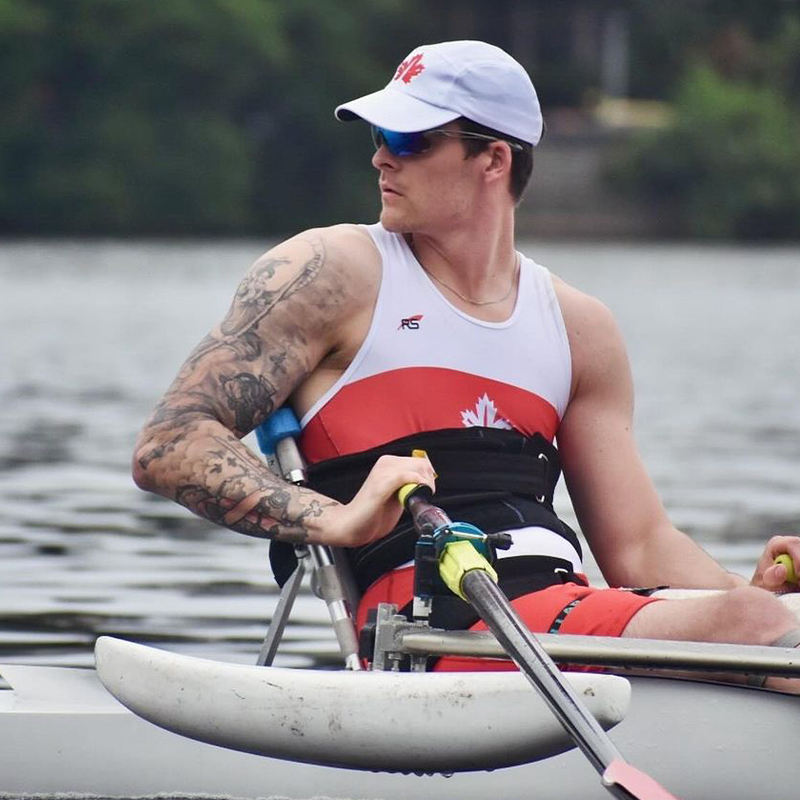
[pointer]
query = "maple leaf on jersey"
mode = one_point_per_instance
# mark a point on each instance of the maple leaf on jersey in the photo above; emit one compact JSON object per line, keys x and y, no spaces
{"x":484,"y":415}
{"x":410,"y":69}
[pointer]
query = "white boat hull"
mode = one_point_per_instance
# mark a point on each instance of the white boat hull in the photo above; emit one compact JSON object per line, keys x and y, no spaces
{"x":63,"y":733}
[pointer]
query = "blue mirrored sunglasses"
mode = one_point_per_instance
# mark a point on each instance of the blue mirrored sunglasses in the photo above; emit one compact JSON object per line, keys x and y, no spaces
{"x":412,"y":144}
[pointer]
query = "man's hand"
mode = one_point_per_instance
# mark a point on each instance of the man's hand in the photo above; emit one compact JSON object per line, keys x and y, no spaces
{"x":772,"y":576}
{"x":375,"y":510}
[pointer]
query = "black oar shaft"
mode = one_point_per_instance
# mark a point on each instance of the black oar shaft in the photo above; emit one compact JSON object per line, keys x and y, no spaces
{"x":473,"y":583}
{"x":495,"y":610}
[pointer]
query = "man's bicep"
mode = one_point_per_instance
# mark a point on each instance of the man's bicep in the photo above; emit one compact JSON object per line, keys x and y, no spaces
{"x":276,"y":330}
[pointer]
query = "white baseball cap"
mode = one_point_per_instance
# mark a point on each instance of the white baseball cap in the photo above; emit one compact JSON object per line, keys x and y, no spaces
{"x":438,"y":83}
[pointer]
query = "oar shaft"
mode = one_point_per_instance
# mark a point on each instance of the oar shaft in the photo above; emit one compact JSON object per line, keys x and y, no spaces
{"x":619,"y":778}
{"x":521,"y":645}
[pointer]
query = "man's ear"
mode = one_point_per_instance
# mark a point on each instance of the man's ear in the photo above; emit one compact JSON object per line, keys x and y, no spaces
{"x":499,"y":165}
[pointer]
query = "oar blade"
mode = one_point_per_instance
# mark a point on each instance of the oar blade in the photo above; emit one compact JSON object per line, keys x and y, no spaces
{"x":634,"y":782}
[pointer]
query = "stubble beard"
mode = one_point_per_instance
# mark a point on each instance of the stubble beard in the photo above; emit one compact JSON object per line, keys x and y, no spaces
{"x":394,"y":221}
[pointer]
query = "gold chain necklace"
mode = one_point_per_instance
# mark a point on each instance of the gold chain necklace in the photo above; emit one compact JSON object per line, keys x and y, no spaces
{"x":469,"y":299}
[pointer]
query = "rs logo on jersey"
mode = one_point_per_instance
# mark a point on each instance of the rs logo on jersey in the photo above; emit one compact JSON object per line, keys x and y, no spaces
{"x":410,"y":323}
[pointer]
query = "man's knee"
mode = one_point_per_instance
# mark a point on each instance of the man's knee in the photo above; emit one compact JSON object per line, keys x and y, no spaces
{"x":745,"y":615}
{"x":749,"y":615}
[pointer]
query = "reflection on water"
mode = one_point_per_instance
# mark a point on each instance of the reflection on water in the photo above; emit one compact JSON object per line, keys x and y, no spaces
{"x":91,"y":334}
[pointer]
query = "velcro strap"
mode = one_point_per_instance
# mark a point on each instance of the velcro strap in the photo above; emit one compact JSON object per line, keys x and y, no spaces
{"x":789,"y":639}
{"x":562,"y":615}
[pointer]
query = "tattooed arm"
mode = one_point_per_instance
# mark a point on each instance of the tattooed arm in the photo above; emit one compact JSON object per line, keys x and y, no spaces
{"x":293,"y":310}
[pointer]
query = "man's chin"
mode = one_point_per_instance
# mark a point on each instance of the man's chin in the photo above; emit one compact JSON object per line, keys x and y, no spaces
{"x":394,"y":222}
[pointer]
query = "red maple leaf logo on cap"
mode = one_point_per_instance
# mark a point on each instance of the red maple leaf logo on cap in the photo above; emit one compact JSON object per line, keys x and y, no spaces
{"x":410,"y":68}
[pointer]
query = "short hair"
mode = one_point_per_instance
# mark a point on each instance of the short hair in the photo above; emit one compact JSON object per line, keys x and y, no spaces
{"x":521,"y":159}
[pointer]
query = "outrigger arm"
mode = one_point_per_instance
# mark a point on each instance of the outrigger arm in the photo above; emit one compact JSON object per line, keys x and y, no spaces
{"x":276,"y":438}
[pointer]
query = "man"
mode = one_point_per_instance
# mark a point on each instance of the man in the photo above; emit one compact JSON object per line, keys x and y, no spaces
{"x":429,"y":328}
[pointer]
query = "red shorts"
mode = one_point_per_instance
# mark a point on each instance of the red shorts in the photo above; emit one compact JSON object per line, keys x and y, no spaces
{"x":600,"y":612}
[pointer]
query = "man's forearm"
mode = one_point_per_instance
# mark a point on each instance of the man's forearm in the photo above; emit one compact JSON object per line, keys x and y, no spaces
{"x":670,"y":557}
{"x":688,"y":566}
{"x":205,"y":468}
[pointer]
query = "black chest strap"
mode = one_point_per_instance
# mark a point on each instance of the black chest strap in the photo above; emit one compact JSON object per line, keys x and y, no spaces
{"x":495,"y":479}
{"x":469,"y":461}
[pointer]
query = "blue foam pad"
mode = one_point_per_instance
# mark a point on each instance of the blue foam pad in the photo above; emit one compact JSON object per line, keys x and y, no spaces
{"x":277,"y":426}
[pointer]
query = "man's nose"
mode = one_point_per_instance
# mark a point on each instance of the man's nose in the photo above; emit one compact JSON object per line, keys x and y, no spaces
{"x":383,"y":159}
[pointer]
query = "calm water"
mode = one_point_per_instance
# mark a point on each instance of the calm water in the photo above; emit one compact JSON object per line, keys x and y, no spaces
{"x":91,"y":334}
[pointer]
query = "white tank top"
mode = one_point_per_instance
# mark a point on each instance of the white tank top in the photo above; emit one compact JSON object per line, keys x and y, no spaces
{"x":426,"y":365}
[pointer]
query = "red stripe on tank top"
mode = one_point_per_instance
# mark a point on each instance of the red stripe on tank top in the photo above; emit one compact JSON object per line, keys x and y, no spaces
{"x":387,"y":406}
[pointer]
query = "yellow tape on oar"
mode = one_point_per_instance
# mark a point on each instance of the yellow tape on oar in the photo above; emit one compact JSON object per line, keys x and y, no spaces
{"x":786,"y":560}
{"x":404,"y":491}
{"x":459,"y":558}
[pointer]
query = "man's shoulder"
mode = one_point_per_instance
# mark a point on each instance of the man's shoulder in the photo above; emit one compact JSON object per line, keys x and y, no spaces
{"x":344,"y":249}
{"x":581,"y":310}
{"x":347,"y":242}
{"x":343,"y":236}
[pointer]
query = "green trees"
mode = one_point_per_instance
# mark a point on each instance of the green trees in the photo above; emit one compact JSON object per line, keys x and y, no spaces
{"x":730,"y":160}
{"x":214,"y":117}
{"x":178,"y":116}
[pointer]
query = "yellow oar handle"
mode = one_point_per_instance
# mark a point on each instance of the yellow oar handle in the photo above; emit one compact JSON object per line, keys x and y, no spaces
{"x":405,"y":491}
{"x":786,"y":560}
{"x":459,"y":558}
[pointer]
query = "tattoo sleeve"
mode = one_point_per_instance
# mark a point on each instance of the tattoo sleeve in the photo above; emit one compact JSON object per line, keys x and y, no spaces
{"x":189,"y":449}
{"x":234,"y":488}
